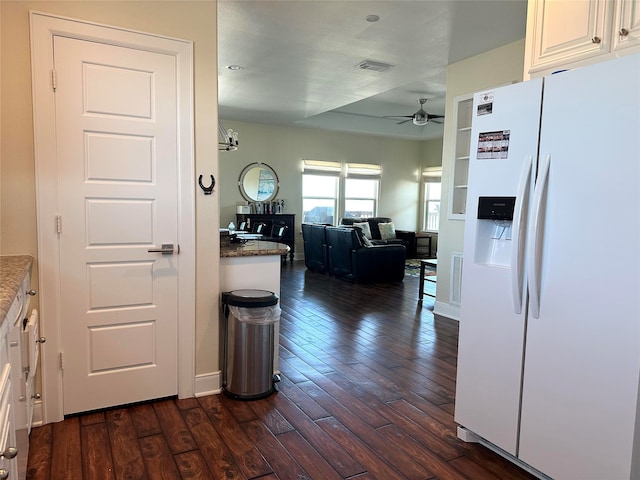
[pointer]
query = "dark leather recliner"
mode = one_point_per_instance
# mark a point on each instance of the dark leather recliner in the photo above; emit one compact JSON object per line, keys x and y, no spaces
{"x":315,"y":247}
{"x":351,"y":259}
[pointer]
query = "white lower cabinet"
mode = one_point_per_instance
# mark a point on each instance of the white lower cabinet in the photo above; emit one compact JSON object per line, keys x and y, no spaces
{"x":8,"y":448}
{"x":16,"y":401}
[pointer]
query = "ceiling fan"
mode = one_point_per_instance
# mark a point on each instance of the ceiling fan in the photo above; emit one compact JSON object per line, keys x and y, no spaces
{"x":420,"y":117}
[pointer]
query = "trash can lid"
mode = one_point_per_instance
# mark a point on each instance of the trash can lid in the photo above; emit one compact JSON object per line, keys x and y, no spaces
{"x":250,"y":298}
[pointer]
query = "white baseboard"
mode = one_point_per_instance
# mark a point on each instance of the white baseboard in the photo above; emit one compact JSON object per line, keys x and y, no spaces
{"x":447,"y":310}
{"x":208,"y":384}
{"x":37,"y":420}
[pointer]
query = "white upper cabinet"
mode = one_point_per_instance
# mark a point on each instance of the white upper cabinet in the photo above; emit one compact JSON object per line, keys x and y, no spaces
{"x":564,"y":34}
{"x":460,"y":165}
{"x":627,"y":24}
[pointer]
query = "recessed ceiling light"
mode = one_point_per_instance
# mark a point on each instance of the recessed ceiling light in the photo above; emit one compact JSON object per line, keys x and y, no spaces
{"x":235,"y":67}
{"x":372,"y":18}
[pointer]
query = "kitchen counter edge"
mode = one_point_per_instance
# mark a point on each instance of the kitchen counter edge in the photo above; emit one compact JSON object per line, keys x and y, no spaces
{"x":253,"y":248}
{"x":13,"y":269}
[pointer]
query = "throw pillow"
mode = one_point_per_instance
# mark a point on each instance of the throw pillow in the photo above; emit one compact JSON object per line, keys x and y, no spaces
{"x":364,"y":241}
{"x":366,"y":229}
{"x":387,"y":231}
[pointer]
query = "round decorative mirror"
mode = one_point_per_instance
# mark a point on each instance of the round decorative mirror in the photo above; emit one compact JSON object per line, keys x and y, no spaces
{"x":258,"y":182}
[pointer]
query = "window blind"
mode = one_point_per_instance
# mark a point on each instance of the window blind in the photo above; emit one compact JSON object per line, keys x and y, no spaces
{"x":432,"y":174}
{"x":364,"y":170}
{"x":321,"y":167}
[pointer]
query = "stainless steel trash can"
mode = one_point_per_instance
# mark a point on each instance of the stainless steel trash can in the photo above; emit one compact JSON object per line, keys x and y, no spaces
{"x":250,"y":317}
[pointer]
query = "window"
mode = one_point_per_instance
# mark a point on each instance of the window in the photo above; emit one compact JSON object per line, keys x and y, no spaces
{"x":323,"y":182}
{"x":361,"y":190}
{"x":320,"y":191}
{"x":431,"y":182}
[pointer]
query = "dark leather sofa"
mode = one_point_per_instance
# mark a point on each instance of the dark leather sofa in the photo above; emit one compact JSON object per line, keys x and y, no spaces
{"x":403,"y":237}
{"x":342,"y":252}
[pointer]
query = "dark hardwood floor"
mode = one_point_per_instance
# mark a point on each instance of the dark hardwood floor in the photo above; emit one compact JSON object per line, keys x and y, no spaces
{"x":367,"y":391}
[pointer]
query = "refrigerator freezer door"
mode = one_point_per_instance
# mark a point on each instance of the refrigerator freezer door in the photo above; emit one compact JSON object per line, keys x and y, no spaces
{"x":580,"y":401}
{"x":491,"y":338}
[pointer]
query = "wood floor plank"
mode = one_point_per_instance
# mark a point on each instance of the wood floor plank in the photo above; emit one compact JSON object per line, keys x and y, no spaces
{"x":429,"y":424}
{"x":441,"y":469}
{"x":241,"y":411}
{"x":245,"y":453}
{"x":373,"y":462}
{"x":173,"y":426}
{"x":472,"y":469}
{"x":220,"y":460}
{"x":40,"y":452}
{"x":65,"y":456}
{"x":158,"y":458}
{"x":192,"y":466}
{"x":145,"y":420}
{"x":269,"y":416}
{"x":339,"y":459}
{"x":301,"y":399}
{"x":127,"y":457}
{"x":97,"y":463}
{"x":283,"y":463}
{"x":308,"y":457}
{"x":92,"y":418}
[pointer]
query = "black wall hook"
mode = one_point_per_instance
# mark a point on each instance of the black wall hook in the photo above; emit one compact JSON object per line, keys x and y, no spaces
{"x":209,"y":189}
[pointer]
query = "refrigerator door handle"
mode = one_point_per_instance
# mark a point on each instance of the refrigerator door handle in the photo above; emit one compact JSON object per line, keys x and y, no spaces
{"x":534,"y":240}
{"x":519,"y":226}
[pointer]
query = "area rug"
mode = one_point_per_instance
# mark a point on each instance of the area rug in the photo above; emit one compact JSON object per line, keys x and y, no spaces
{"x":412,"y":268}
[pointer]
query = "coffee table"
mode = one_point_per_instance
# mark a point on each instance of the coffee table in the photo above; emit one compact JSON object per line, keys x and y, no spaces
{"x":432,"y":263}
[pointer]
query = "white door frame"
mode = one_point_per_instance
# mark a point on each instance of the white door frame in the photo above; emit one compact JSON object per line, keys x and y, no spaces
{"x":43,"y":28}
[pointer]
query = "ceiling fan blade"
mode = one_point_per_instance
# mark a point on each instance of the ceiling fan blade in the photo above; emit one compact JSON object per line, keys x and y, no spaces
{"x":405,"y":121}
{"x":437,"y":120}
{"x":397,"y":116}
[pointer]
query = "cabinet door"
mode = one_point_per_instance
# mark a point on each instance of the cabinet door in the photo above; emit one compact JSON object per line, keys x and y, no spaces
{"x":565,"y":31}
{"x":7,"y":427}
{"x":627,"y":24}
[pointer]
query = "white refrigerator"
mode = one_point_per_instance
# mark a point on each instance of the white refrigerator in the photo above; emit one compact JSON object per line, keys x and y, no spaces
{"x":549,"y":346}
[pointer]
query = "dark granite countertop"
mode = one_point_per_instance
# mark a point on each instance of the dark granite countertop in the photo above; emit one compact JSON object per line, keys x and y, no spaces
{"x":252,"y":248}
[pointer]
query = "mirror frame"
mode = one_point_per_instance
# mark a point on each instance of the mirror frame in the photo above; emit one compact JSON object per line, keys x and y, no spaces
{"x":263,"y":166}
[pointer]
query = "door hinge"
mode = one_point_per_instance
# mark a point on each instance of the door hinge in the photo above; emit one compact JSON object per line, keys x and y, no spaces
{"x":58,"y":224}
{"x":61,"y":361}
{"x":54,"y":83}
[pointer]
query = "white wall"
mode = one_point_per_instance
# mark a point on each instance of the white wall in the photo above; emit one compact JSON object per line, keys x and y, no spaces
{"x":497,"y":67}
{"x":284,"y":148}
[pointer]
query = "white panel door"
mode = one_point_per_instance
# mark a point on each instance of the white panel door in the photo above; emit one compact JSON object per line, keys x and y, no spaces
{"x":580,"y":401}
{"x":116,"y":117}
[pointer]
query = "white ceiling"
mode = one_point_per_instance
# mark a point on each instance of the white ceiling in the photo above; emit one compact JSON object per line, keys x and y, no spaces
{"x":299,"y":59}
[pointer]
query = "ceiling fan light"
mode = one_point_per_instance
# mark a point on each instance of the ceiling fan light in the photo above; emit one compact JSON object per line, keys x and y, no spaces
{"x":419,"y":121}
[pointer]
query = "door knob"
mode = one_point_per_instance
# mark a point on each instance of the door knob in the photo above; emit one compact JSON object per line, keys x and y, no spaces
{"x":4,"y":474}
{"x":167,"y":249}
{"x":9,"y":453}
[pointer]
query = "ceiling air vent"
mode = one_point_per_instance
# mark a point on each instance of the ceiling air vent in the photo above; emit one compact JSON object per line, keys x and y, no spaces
{"x":373,"y":65}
